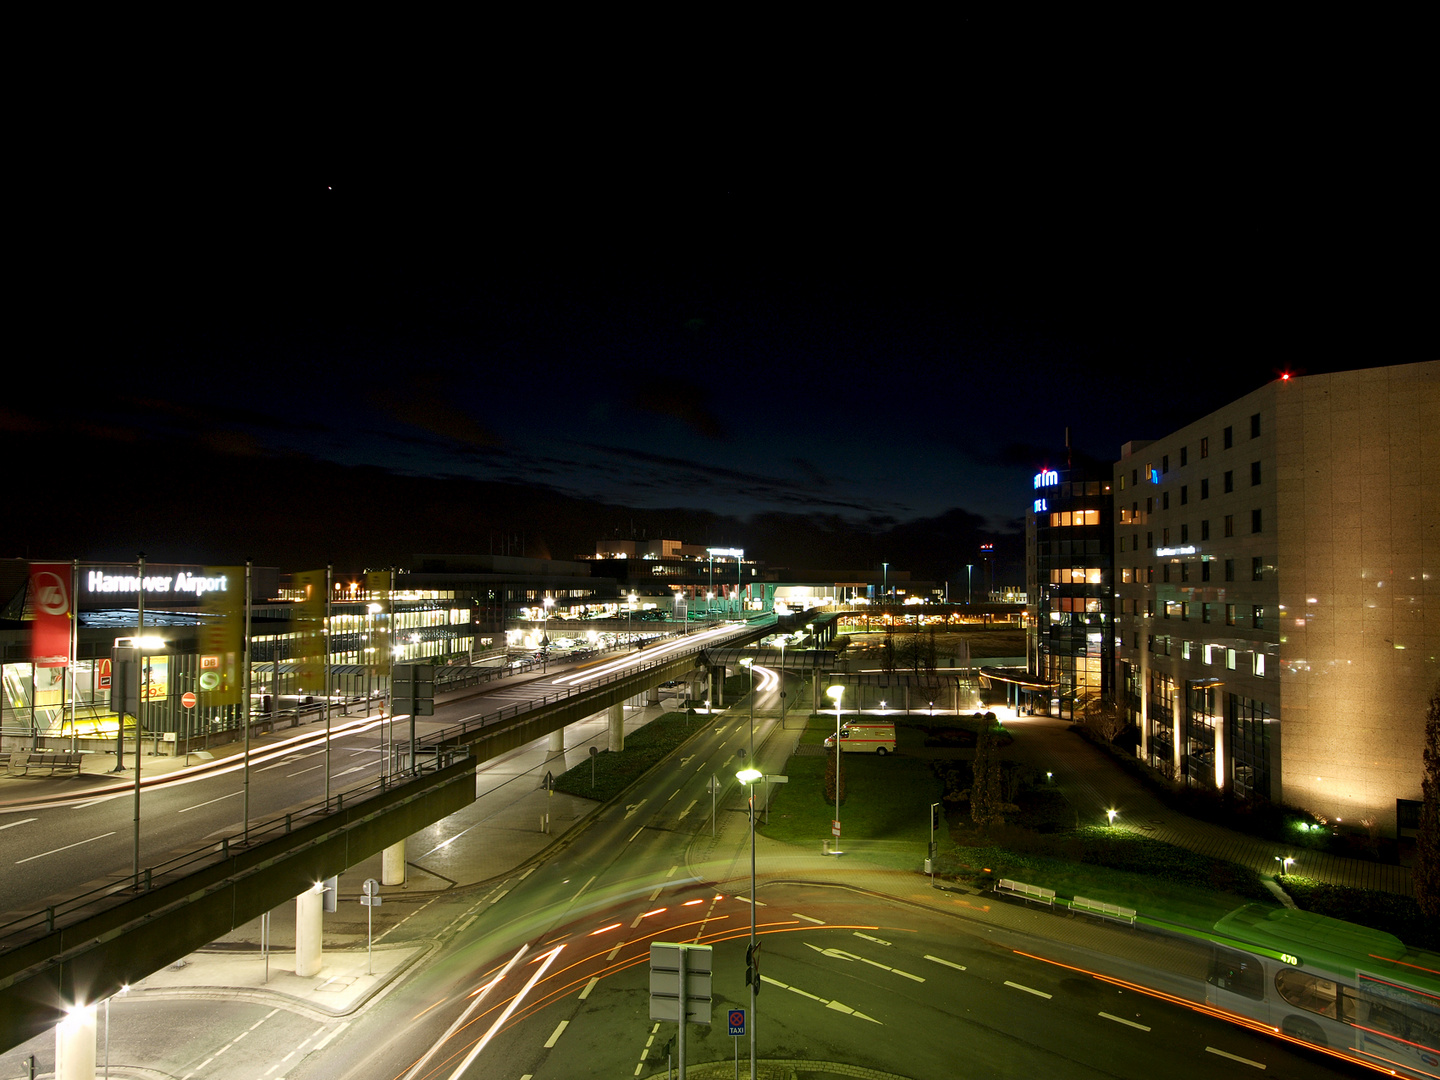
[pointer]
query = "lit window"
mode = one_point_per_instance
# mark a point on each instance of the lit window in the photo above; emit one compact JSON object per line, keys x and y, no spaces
{"x":1258,"y":665}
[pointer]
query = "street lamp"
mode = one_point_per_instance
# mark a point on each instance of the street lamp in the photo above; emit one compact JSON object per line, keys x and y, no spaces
{"x":547,"y":603}
{"x":630,"y":611}
{"x":968,"y":596}
{"x":884,"y":581}
{"x":835,"y":693}
{"x":748,"y":777}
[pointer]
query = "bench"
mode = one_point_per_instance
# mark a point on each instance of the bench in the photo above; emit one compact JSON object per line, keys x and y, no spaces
{"x":38,"y":760}
{"x":1102,"y":909}
{"x":1029,"y":892}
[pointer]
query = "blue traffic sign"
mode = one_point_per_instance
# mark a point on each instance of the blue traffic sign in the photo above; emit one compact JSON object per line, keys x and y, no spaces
{"x":737,"y":1021}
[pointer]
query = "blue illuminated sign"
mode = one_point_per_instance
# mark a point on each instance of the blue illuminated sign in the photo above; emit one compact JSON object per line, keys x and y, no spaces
{"x":1048,"y":478}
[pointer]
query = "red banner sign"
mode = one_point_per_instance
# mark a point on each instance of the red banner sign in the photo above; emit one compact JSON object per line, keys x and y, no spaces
{"x":51,"y":608}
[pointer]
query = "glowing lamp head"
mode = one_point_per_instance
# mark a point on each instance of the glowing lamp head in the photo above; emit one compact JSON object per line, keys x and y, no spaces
{"x":835,"y":693}
{"x":749,"y":776}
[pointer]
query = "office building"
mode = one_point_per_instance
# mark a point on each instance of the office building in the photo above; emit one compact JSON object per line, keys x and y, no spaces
{"x":1277,"y":592}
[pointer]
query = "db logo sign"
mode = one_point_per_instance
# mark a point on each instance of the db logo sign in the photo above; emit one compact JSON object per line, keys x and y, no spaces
{"x":52,"y":593}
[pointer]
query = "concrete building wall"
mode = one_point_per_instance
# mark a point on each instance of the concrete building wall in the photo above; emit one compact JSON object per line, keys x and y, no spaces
{"x":1347,"y":487}
{"x":1358,"y":466}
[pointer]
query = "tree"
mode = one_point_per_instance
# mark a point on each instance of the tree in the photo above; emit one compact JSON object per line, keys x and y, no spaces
{"x":1427,"y":846}
{"x":1105,"y":718}
{"x":987,"y":797}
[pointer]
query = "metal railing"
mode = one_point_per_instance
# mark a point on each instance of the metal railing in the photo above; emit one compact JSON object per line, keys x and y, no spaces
{"x":211,"y":854}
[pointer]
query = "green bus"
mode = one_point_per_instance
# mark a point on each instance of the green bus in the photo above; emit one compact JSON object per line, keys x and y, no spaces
{"x":1330,"y":983}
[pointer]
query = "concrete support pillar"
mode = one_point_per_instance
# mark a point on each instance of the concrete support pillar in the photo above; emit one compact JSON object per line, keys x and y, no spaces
{"x":392,"y":864}
{"x":75,"y":1045}
{"x":308,"y":929}
{"x":557,"y":741}
{"x":652,"y":696}
{"x":717,"y":687}
{"x":617,"y":728}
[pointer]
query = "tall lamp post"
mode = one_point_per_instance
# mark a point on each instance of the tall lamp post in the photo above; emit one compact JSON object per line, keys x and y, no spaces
{"x":968,"y":567}
{"x":835,"y":693}
{"x":548,"y":603}
{"x":748,"y":777}
{"x":884,"y":581}
{"x":629,"y":614}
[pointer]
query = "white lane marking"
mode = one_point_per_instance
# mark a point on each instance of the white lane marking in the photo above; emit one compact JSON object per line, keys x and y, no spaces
{"x":614,"y":951}
{"x":67,"y":847}
{"x":97,"y":802}
{"x":838,"y":1006}
{"x":687,"y":809}
{"x":1028,"y":990}
{"x":555,"y":1035}
{"x":1234,"y":1057}
{"x":671,"y":872}
{"x":12,"y":824}
{"x":302,"y":772}
{"x":347,"y":772}
{"x":588,"y":987}
{"x":807,"y":918}
{"x":867,"y":937}
{"x":583,"y":888}
{"x":1122,"y":1020}
{"x":527,"y":873}
{"x":636,"y":833}
{"x":634,"y":807}
{"x":947,"y":963}
{"x":499,"y":897}
{"x":658,"y":889}
{"x":673,"y":794}
{"x":198,"y":805}
{"x":746,"y":900}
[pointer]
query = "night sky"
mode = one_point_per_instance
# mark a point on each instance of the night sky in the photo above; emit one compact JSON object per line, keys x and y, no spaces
{"x":842,"y":326}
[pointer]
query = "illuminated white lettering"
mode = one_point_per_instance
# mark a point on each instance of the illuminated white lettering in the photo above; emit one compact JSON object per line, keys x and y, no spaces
{"x":1047,"y":478}
{"x":1189,"y":549}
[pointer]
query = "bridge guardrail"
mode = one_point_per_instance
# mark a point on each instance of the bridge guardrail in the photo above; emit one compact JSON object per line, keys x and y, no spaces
{"x":148,"y":876}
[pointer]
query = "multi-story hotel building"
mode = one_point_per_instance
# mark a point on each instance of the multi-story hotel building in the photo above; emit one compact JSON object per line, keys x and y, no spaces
{"x":1277,"y":591}
{"x":1069,"y":586}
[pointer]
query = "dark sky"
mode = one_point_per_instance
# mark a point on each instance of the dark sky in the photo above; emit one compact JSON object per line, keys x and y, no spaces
{"x":845,"y":302}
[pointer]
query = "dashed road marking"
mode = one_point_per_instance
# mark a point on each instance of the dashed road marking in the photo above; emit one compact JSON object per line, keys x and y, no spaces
{"x":838,"y":1006}
{"x":807,"y":918}
{"x":1122,"y":1020}
{"x":590,"y":986}
{"x":1234,"y":1057}
{"x":1028,"y":990}
{"x":947,"y":963}
{"x":555,"y":1035}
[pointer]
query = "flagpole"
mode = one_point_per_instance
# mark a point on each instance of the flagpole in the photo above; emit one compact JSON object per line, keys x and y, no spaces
{"x":245,"y":705}
{"x":74,"y":652}
{"x":325,"y":641}
{"x":144,"y":690}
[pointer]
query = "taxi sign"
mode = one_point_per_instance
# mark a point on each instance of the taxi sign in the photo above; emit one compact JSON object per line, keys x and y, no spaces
{"x":737,"y":1021}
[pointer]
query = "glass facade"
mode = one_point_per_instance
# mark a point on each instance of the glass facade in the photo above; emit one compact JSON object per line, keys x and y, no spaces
{"x":1069,"y":534}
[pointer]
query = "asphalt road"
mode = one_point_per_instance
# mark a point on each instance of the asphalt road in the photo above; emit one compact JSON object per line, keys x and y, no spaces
{"x":59,"y":846}
{"x":849,"y":977}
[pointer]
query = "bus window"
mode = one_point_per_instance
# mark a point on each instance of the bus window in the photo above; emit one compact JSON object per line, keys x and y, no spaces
{"x":1238,"y":972}
{"x":1306,"y":991}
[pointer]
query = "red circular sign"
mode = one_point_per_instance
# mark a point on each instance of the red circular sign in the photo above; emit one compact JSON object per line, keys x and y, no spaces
{"x":188,"y":699}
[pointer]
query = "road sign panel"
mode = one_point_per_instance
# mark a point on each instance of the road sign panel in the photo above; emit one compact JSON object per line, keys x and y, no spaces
{"x":737,"y":1021}
{"x":835,"y":828}
{"x":665,"y":963}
